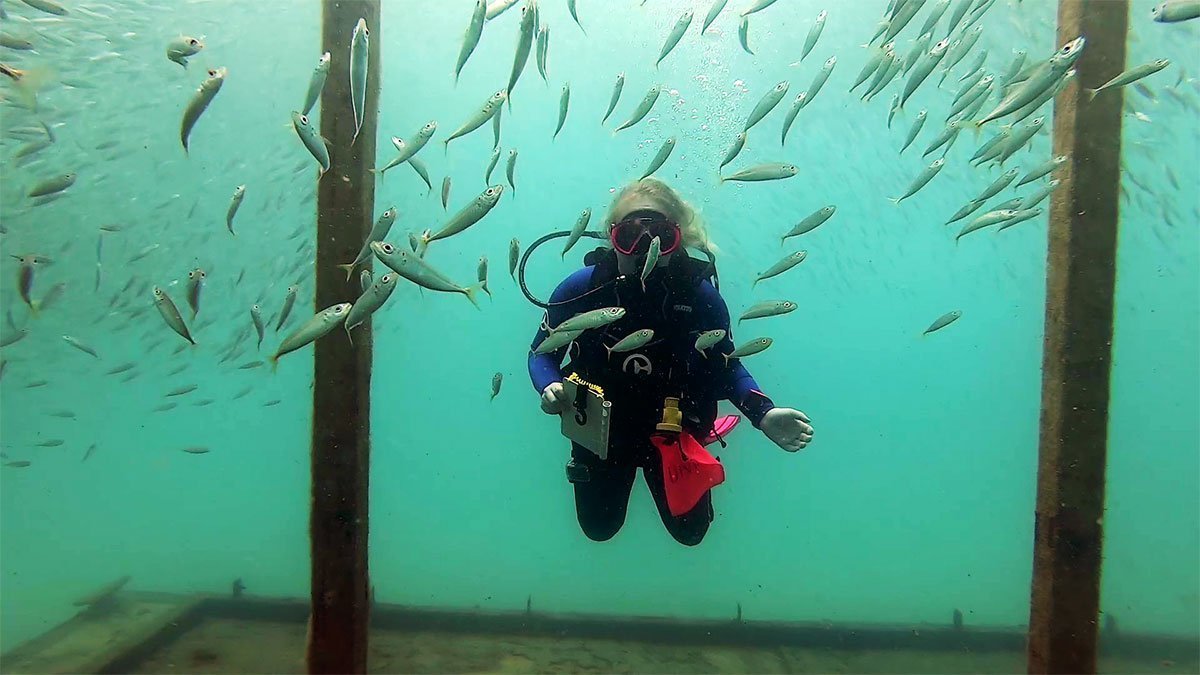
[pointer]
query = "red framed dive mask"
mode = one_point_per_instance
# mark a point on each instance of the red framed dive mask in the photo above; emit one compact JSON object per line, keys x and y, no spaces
{"x":633,"y":234}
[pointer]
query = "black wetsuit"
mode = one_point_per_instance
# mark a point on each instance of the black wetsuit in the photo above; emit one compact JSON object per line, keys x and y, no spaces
{"x":678,"y":304}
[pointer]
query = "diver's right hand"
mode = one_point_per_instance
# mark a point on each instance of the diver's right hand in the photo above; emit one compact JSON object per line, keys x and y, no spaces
{"x":554,"y":398}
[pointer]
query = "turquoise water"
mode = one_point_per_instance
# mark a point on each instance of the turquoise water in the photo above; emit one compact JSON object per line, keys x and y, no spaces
{"x":916,"y":496}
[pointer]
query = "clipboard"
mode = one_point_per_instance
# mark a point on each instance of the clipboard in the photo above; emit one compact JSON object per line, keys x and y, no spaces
{"x":588,"y":417}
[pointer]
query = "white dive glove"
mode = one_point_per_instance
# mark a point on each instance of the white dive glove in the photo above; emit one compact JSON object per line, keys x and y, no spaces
{"x":786,"y":427}
{"x":554,"y":398}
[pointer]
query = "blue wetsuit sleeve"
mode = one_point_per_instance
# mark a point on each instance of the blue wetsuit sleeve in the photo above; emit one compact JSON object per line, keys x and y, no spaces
{"x":733,"y":381}
{"x":545,"y":369}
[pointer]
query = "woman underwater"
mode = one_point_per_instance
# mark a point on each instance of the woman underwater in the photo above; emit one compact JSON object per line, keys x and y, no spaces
{"x":661,"y":356}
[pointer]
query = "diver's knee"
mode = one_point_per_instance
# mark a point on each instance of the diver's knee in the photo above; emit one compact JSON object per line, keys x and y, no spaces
{"x":598,"y":529}
{"x":691,"y":536}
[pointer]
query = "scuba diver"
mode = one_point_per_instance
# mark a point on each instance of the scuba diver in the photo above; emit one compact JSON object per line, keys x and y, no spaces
{"x":660,"y":368}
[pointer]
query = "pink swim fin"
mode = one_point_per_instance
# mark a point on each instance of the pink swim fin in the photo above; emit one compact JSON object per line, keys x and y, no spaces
{"x":721,"y":428}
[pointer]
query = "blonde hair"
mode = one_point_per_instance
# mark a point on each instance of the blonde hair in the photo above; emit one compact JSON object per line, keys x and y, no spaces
{"x":665,"y":199}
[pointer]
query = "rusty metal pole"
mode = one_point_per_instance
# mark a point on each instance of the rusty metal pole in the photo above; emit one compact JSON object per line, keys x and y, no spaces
{"x":1080,"y":278}
{"x":341,"y":423}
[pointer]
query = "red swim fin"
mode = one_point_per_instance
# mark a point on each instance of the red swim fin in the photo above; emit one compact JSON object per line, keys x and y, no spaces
{"x":688,"y":470}
{"x":721,"y":428}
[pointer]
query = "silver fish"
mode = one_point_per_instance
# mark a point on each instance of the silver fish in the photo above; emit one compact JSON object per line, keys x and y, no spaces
{"x":750,"y":348}
{"x":557,"y":340}
{"x":199,"y":103}
{"x":575,"y":15}
{"x":713,"y":11}
{"x":514,"y":256}
{"x":480,"y":117}
{"x":591,"y":319}
{"x":360,"y":44}
{"x":445,"y":192}
{"x":383,"y":225}
{"x":922,"y":70}
{"x":257,"y":320}
{"x":763,"y":172}
{"x":316,"y":84}
{"x":481,"y":273}
{"x":543,"y":50}
{"x":1042,"y":169}
{"x":52,"y":185}
{"x":1130,"y":76}
{"x":524,"y":42}
{"x":510,"y":170}
{"x":470,"y":214}
{"x":989,"y":218}
{"x":797,"y":105}
{"x":471,"y":38}
{"x":744,"y":35}
{"x":739,"y":142}
{"x":498,"y":7}
{"x":1043,"y":78}
{"x":194,"y":285}
{"x":661,"y":157}
{"x":498,"y":378}
{"x":312,"y":140}
{"x":643,"y":108}
{"x":47,"y":6}
{"x":1174,"y":11}
{"x":943,"y":321}
{"x":416,"y":270}
{"x":767,"y":309}
{"x":289,"y":300}
{"x":564,"y":100}
{"x":364,"y":279}
{"x":811,"y":222}
{"x":758,"y":7}
{"x":419,"y":166}
{"x":814,"y":34}
{"x":630,"y":342}
{"x":652,"y":256}
{"x":180,"y":48}
{"x":576,"y":232}
{"x":170,"y":314}
{"x":766,"y":104}
{"x":618,"y":87}
{"x":1037,"y":197}
{"x":315,"y":328}
{"x":239,"y":193}
{"x":709,"y":338}
{"x":820,"y":79}
{"x":1019,"y":216}
{"x":370,"y":301}
{"x":681,"y":26}
{"x":997,"y":185}
{"x":921,"y":180}
{"x":76,"y":343}
{"x":787,"y":263}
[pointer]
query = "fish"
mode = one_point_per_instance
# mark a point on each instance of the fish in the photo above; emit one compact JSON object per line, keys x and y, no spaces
{"x":966,"y":210}
{"x":959,"y":51}
{"x":643,"y":108}
{"x":239,"y":193}
{"x":470,"y":214}
{"x":997,"y":185}
{"x":481,"y":116}
{"x":487,"y":176}
{"x":814,"y":34}
{"x":316,"y":83}
{"x":18,"y":463}
{"x":797,"y":105}
{"x":196,"y":450}
{"x":498,"y":7}
{"x":525,"y":36}
{"x":750,"y":348}
{"x":76,"y":343}
{"x":445,"y":192}
{"x":194,"y":285}
{"x":707,"y":339}
{"x":1174,"y":11}
{"x":315,"y":328}
{"x":514,"y":255}
{"x":416,"y":270}
{"x":989,"y":218}
{"x":1019,"y":216}
{"x":199,"y":103}
{"x":555,"y":340}
{"x":765,"y":105}
{"x":13,"y":337}
{"x":408,"y":149}
{"x":1042,"y":169}
{"x":764,"y":172}
{"x":360,"y":45}
{"x":591,"y":319}
{"x":1019,"y":139}
{"x":257,"y":320}
{"x":739,"y":142}
{"x":652,"y":256}
{"x":618,"y":87}
{"x":758,"y":7}
{"x":117,"y":370}
{"x":63,"y":414}
{"x":893,"y":108}
{"x":577,"y":231}
{"x":182,"y":47}
{"x":170,"y":314}
{"x":660,"y":158}
{"x":481,"y":274}
{"x":511,"y":168}
{"x":810,"y":222}
{"x":921,"y":180}
{"x":635,"y":340}
{"x":888,"y":67}
{"x":744,"y":34}
{"x":713,"y":11}
{"x":787,"y":263}
{"x":935,"y":15}
{"x":922,"y":70}
{"x":946,"y":137}
{"x":312,"y":140}
{"x":872,"y":65}
{"x":364,"y":279}
{"x":272,"y":402}
{"x":52,"y":185}
{"x":289,"y":300}
{"x":575,"y":15}
{"x":471,"y":37}
{"x":370,"y":301}
{"x":767,"y":309}
{"x":25,"y":277}
{"x":542,"y":50}
{"x":677,"y":31}
{"x":819,"y":80}
{"x":47,"y":6}
{"x":1043,"y":78}
{"x":980,"y":88}
{"x":564,"y":100}
{"x":419,"y":166}
{"x":943,"y":321}
{"x":498,"y":378}
{"x":1130,"y":76}
{"x":91,"y":449}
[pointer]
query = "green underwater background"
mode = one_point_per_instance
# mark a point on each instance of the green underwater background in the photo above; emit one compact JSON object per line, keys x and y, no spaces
{"x":916,"y":496}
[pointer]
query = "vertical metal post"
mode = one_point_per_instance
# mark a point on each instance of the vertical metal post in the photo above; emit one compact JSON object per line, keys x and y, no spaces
{"x":1081,"y":268}
{"x":341,"y":427}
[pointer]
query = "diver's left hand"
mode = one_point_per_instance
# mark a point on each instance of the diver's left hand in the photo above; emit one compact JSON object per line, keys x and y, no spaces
{"x":788,"y":428}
